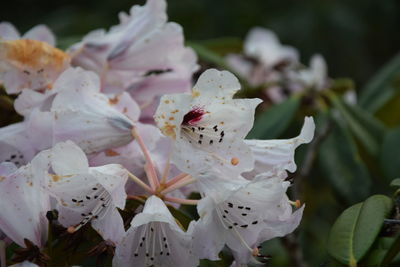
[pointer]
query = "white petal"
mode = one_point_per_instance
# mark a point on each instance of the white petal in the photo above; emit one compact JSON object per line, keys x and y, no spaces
{"x":8,"y":31}
{"x":278,"y":155}
{"x":155,"y":239}
{"x":88,"y":119}
{"x":23,"y":207}
{"x":113,"y":178}
{"x":68,"y":159}
{"x":111,"y":227}
{"x":216,"y":84}
{"x":41,"y":33}
{"x":15,"y":145}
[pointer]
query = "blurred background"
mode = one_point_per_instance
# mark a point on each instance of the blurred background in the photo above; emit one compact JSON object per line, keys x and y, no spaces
{"x":356,"y":38}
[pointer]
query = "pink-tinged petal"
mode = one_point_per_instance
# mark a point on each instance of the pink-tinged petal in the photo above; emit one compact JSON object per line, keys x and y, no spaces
{"x":40,"y":125}
{"x":6,"y":168}
{"x":41,"y":33}
{"x":23,"y":207}
{"x":143,"y":55}
{"x":15,"y":144}
{"x":77,"y":79}
{"x":240,"y":65}
{"x":155,"y":239}
{"x":278,"y":155}
{"x":90,"y":120}
{"x":68,"y":159}
{"x":126,"y":105}
{"x":30,"y":64}
{"x":8,"y":31}
{"x":29,"y":100}
{"x":130,"y":155}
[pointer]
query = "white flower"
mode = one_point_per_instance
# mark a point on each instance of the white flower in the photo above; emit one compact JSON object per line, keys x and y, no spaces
{"x":85,"y":194}
{"x":208,"y":125}
{"x":316,"y":76}
{"x":243,"y":218}
{"x":23,"y":205}
{"x":144,"y":54}
{"x":277,"y":156}
{"x":263,"y":59}
{"x":30,"y":64}
{"x":15,"y":144}
{"x":39,"y":32}
{"x":155,"y":239}
{"x":264,"y":45}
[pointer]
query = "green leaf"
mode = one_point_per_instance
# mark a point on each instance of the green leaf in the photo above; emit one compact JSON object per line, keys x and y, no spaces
{"x":395,"y":182}
{"x":273,"y":122}
{"x":392,"y":252}
{"x":367,"y":129}
{"x":182,"y":218}
{"x":379,"y":89}
{"x":208,"y":55}
{"x":340,"y":163}
{"x":356,"y":229}
{"x":389,"y":157}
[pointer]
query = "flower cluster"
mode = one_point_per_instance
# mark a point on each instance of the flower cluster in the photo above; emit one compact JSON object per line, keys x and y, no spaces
{"x":276,"y":68}
{"x":116,"y":117}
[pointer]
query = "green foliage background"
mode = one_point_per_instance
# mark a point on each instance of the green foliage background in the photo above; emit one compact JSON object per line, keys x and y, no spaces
{"x":357,"y":154}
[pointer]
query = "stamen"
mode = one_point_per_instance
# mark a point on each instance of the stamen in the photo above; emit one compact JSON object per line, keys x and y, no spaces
{"x":296,"y":203}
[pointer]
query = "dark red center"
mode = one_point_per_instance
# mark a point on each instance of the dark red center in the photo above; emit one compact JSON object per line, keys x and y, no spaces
{"x":193,"y":116}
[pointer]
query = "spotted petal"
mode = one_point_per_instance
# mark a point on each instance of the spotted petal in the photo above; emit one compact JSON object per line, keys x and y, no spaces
{"x":23,"y":205}
{"x":86,"y":194}
{"x":155,"y":239}
{"x":209,"y":124}
{"x":238,"y":219}
{"x":15,"y":144}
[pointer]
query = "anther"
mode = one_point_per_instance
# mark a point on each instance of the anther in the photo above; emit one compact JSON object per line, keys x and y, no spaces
{"x":234,"y":161}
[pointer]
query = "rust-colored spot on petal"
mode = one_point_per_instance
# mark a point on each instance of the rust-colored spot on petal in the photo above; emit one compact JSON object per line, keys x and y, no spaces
{"x":111,"y":153}
{"x":113,"y":101}
{"x":234,"y":161}
{"x":55,"y":178}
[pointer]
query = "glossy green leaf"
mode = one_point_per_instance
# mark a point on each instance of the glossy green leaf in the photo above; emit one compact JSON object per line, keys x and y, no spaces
{"x":379,"y":89}
{"x":356,"y":229}
{"x":274,"y":121}
{"x":389,"y":156}
{"x":340,"y":163}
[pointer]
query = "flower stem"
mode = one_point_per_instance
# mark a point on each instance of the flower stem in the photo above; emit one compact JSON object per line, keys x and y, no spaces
{"x":165,"y":172}
{"x":181,"y":200}
{"x":140,"y":183}
{"x":176,"y":179}
{"x":149,"y":167}
{"x":181,"y":183}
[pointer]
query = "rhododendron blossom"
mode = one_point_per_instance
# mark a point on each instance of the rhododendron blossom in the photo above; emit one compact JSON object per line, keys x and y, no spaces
{"x":114,"y":137}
